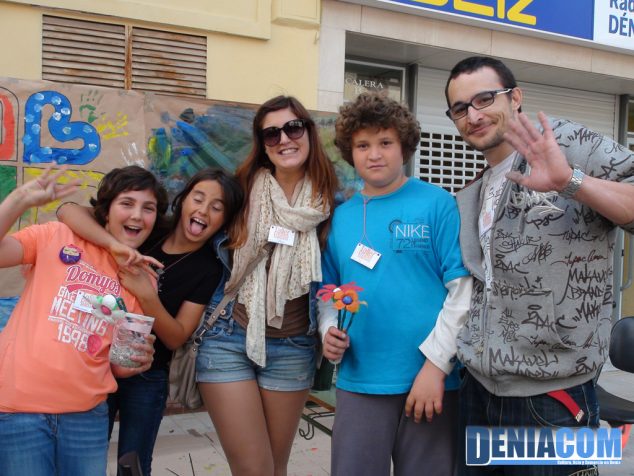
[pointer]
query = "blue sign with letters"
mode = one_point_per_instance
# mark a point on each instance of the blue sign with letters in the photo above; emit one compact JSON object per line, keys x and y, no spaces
{"x":563,"y":17}
{"x":607,"y":22}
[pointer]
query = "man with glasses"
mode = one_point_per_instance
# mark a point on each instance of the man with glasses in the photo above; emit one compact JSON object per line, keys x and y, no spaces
{"x":538,"y":228}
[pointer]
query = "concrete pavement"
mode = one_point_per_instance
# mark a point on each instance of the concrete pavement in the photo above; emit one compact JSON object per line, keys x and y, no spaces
{"x":188,"y":444}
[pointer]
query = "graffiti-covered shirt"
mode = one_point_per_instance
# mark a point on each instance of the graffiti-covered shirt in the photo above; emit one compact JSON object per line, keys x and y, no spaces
{"x":53,"y":355}
{"x":495,"y":179}
{"x":544,"y":322}
{"x":416,"y":230}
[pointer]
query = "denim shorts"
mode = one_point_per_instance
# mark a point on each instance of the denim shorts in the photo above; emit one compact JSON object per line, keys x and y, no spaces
{"x":290,"y":361}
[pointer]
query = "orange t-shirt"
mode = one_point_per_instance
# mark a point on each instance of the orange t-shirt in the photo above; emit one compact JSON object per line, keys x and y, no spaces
{"x":53,"y":356}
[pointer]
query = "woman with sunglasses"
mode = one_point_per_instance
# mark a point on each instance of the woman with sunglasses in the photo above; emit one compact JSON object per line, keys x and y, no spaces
{"x":256,"y":365}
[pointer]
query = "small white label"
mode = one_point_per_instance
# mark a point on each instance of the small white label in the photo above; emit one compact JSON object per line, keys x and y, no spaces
{"x":365,"y":256}
{"x":281,"y":235}
{"x":136,"y":323}
{"x":82,"y":303}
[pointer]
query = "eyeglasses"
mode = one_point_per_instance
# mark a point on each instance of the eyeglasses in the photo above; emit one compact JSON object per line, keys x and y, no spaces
{"x":293,"y":129}
{"x":479,"y":101}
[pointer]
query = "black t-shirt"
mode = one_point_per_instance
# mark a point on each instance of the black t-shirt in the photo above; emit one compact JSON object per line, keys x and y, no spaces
{"x":186,"y":277}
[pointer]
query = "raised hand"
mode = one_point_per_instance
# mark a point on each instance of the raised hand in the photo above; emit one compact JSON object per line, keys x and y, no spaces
{"x":549,"y":169}
{"x":46,"y":189}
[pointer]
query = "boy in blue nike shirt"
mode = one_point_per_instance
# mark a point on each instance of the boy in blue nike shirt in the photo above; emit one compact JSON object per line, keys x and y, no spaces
{"x":398,"y":240}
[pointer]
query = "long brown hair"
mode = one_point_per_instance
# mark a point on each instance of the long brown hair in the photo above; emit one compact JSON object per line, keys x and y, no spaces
{"x":319,"y":169}
{"x":232,"y":195}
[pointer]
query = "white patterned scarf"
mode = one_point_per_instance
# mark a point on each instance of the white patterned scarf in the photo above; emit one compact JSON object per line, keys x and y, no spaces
{"x":292,"y":268}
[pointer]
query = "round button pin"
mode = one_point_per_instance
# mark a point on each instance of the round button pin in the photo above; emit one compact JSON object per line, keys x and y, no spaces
{"x":70,"y":254}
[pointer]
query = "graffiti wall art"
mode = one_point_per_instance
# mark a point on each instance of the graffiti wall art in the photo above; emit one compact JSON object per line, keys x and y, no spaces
{"x":91,"y":130}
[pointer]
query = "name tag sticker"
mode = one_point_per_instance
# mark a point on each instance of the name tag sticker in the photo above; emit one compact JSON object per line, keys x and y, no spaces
{"x":365,"y":256}
{"x":82,"y":303}
{"x":281,"y":235}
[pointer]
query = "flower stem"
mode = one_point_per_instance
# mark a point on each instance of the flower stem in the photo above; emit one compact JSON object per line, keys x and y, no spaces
{"x":349,"y":323}
{"x":343,"y":320}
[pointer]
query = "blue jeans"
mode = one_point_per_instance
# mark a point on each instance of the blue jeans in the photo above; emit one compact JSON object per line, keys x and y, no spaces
{"x":478,"y":407}
{"x":45,"y":444}
{"x":140,"y":402}
{"x":6,"y":308}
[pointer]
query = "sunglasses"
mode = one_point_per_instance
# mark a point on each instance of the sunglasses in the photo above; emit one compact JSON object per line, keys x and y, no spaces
{"x":479,"y":101}
{"x":293,"y":129}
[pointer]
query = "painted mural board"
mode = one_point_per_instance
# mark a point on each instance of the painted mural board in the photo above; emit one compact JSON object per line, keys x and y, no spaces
{"x":92,"y":130}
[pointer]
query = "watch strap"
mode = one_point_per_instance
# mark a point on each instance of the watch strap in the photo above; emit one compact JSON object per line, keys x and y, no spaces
{"x":574,"y":185}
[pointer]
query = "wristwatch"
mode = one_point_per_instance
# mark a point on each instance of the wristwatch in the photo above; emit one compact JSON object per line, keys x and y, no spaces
{"x":574,"y":185}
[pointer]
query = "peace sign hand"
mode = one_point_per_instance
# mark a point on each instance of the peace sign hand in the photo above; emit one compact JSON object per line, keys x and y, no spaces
{"x":46,"y":189}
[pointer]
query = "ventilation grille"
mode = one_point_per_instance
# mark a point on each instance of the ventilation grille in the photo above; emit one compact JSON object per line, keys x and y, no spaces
{"x":169,"y":63}
{"x":116,"y":56}
{"x":446,"y":160}
{"x":83,"y":52}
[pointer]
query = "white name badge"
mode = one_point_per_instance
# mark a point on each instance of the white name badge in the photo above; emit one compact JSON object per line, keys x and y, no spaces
{"x":365,"y":256}
{"x":281,"y":235}
{"x":82,"y":303}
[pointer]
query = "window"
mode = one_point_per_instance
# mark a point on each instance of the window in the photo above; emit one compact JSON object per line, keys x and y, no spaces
{"x":123,"y":56}
{"x":362,"y":76}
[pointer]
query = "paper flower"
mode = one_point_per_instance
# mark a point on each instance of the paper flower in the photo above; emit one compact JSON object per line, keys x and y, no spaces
{"x":326,"y":293}
{"x":345,"y":299}
{"x":348,"y":300}
{"x":107,"y":307}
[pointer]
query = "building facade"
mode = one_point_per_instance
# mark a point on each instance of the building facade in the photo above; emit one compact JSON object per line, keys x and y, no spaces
{"x":572,"y":59}
{"x":246,"y":50}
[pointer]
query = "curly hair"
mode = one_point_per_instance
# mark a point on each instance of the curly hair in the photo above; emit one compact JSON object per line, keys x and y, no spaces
{"x":375,"y":110}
